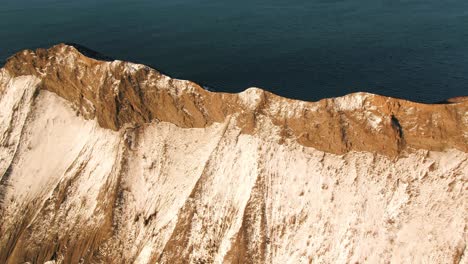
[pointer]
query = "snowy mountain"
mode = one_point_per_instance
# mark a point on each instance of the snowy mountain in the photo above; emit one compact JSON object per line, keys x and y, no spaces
{"x":114,"y":162}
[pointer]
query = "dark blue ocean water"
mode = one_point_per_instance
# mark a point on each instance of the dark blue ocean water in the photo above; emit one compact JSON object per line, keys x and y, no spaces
{"x":305,"y":49}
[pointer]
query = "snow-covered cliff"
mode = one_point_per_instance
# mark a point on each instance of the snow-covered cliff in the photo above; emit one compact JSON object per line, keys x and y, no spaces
{"x":114,"y":162}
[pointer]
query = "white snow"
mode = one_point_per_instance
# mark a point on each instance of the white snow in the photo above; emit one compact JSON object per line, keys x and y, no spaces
{"x":132,"y":67}
{"x":4,"y":78}
{"x":350,"y":102}
{"x":55,"y":138}
{"x":14,"y":108}
{"x":373,"y":120}
{"x":251,"y":97}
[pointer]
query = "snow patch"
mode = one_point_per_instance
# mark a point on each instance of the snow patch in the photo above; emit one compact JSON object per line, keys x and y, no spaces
{"x":133,"y":67}
{"x":374,"y":120}
{"x":350,"y":102}
{"x":4,"y":79}
{"x":56,"y":136}
{"x":251,"y":97}
{"x":15,"y":103}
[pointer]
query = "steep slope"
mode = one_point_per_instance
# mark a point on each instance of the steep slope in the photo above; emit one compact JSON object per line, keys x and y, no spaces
{"x":114,"y":162}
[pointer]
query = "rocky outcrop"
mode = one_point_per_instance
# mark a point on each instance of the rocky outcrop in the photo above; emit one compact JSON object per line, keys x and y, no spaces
{"x":114,"y":162}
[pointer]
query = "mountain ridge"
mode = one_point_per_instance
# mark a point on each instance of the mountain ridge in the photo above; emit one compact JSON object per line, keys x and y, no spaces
{"x":137,"y":90}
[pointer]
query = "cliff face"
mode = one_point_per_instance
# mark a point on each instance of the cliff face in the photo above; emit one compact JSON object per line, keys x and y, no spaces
{"x":114,"y":162}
